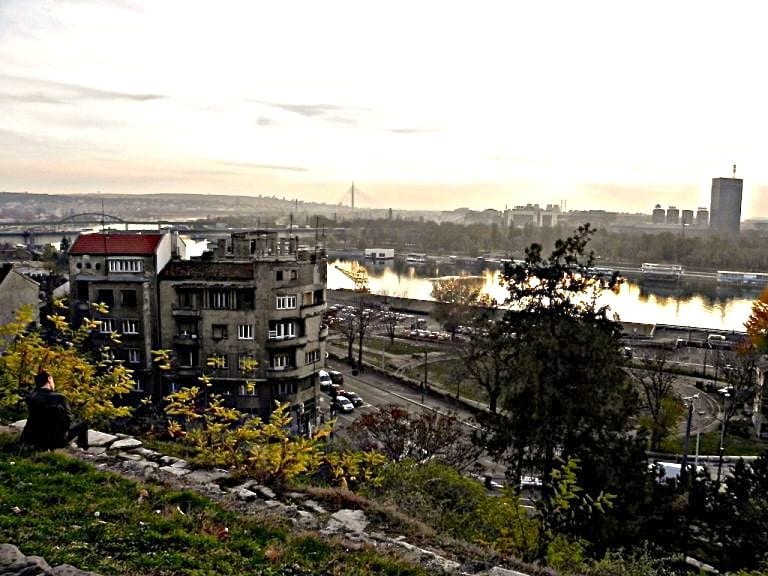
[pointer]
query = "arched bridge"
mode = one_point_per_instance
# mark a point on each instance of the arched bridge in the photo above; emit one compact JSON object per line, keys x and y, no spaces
{"x":90,"y":218}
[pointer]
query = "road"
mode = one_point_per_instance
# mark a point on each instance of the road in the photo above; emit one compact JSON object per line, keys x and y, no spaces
{"x":378,"y":390}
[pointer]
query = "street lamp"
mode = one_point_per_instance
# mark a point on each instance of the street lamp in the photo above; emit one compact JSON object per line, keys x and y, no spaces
{"x":726,"y":395}
{"x":424,"y":384}
{"x":689,"y":400}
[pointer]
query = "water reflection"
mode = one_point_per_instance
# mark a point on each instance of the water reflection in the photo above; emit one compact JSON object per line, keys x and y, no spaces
{"x":702,"y":304}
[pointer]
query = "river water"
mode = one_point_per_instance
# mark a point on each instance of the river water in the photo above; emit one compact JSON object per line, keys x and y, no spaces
{"x":700,"y":304}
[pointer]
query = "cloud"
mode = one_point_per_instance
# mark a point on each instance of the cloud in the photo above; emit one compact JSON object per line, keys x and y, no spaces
{"x":411,"y":130}
{"x":253,"y":166}
{"x":52,"y":92}
{"x":329,"y":112}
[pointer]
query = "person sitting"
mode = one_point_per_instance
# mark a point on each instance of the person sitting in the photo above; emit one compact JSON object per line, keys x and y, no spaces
{"x":49,"y":420}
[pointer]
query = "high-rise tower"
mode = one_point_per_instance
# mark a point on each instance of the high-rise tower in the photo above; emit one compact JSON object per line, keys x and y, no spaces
{"x":725,"y":204}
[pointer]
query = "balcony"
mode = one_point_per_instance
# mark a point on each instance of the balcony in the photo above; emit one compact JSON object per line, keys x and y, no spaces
{"x":186,"y":339}
{"x":180,"y":311}
{"x":287,"y":371}
{"x":323,"y":334}
{"x":275,"y":341}
{"x":310,"y":310}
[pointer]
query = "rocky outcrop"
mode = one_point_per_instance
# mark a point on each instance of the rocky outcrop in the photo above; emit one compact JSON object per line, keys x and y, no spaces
{"x":14,"y":563}
{"x":127,"y":456}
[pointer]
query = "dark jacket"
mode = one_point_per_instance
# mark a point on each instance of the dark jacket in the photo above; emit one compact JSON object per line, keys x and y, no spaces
{"x":48,"y":420}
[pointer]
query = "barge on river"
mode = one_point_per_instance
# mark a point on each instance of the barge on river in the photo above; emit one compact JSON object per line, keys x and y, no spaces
{"x":742,"y":278}
{"x":661,"y":272}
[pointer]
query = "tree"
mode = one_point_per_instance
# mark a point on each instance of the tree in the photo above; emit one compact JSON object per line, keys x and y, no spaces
{"x":456,"y":300}
{"x":566,"y":394}
{"x":486,"y":356}
{"x":757,"y":323}
{"x":92,"y":382}
{"x":659,"y":402}
{"x":421,"y":437}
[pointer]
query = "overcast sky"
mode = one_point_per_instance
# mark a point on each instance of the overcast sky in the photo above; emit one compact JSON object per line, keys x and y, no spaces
{"x":423,"y":104}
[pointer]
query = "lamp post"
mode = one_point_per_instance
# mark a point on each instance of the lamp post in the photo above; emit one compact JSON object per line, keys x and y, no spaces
{"x":726,"y":395}
{"x":684,"y":464}
{"x":424,"y":384}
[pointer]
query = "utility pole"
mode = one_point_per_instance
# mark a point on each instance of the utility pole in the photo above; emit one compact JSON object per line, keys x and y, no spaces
{"x":424,"y":384}
{"x":684,"y":464}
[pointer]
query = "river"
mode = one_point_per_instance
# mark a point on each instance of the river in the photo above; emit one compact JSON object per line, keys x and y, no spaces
{"x":701,"y":304}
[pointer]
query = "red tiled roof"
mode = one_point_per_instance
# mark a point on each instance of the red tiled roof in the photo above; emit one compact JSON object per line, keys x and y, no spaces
{"x":120,"y":244}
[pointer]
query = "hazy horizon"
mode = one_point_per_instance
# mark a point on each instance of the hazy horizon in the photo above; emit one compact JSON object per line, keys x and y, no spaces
{"x":425,"y":106}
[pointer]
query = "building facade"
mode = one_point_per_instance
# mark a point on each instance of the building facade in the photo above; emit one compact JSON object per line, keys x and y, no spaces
{"x":248,"y":317}
{"x":725,"y":205}
{"x":17,"y":290}
{"x":113,"y":279}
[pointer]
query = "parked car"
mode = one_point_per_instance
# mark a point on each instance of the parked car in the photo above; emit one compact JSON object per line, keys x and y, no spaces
{"x":336,"y":376}
{"x":343,"y":404}
{"x":354,"y":398}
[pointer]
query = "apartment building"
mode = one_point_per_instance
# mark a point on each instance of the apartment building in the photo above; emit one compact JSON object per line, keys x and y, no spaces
{"x":120,"y":271}
{"x":249,"y":317}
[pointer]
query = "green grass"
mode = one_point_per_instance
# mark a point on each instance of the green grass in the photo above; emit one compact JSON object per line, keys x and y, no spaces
{"x":398,"y":348}
{"x":709,"y":444}
{"x":68,"y":512}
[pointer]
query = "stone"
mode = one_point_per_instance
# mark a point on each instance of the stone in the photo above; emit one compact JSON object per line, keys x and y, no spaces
{"x":206,"y":476}
{"x":246,"y":495}
{"x":18,"y":425}
{"x":499,"y":571}
{"x":175,"y":470}
{"x":305,"y":520}
{"x":314,"y":507}
{"x":96,"y":438}
{"x":67,"y":570}
{"x":125,"y":443}
{"x":351,"y":520}
{"x":267,"y":493}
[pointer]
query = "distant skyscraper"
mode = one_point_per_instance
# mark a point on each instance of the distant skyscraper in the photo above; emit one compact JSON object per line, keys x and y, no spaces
{"x":658,"y":215}
{"x":725,"y":205}
{"x":702,"y":217}
{"x":673,"y":215}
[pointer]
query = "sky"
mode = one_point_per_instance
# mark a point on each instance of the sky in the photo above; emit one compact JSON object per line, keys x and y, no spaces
{"x":422,"y":104}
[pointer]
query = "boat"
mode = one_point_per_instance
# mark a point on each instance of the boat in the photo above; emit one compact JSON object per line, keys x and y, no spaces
{"x":416,"y":258}
{"x":661,"y":272}
{"x":742,"y":278}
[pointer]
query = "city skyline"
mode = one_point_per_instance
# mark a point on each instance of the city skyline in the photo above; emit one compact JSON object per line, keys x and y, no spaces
{"x":427,"y":106}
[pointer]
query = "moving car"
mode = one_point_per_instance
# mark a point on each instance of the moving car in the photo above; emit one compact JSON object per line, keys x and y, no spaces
{"x":354,"y":398}
{"x":336,"y":376}
{"x":325,"y":380}
{"x":343,"y":404}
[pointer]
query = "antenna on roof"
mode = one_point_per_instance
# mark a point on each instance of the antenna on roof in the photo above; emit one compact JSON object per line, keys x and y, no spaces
{"x":102,"y":213}
{"x":734,"y":170}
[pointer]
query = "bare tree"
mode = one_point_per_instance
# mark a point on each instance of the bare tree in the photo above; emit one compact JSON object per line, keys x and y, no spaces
{"x":741,"y":380}
{"x":421,"y":437}
{"x":656,"y":385}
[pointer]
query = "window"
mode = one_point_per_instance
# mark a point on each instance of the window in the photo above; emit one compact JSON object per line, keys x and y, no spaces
{"x":125,"y":265}
{"x":279,"y":275}
{"x":247,"y":363}
{"x":280,"y":361}
{"x":220,"y":299}
{"x":245,"y":299}
{"x":285,"y":302}
{"x":128,"y":298}
{"x":293,"y":274}
{"x":134,"y":356}
{"x":282,"y":330}
{"x":311,"y":357}
{"x":217,"y":361}
{"x":307,"y":299}
{"x":219,"y":331}
{"x":130,"y":326}
{"x":187,"y":328}
{"x":187,"y":299}
{"x":106,"y":297}
{"x":245,"y":332}
{"x":107,"y":326}
{"x":287,"y":388}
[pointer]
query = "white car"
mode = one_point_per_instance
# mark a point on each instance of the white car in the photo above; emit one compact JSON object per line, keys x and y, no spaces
{"x":324,"y":379}
{"x":343,"y":404}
